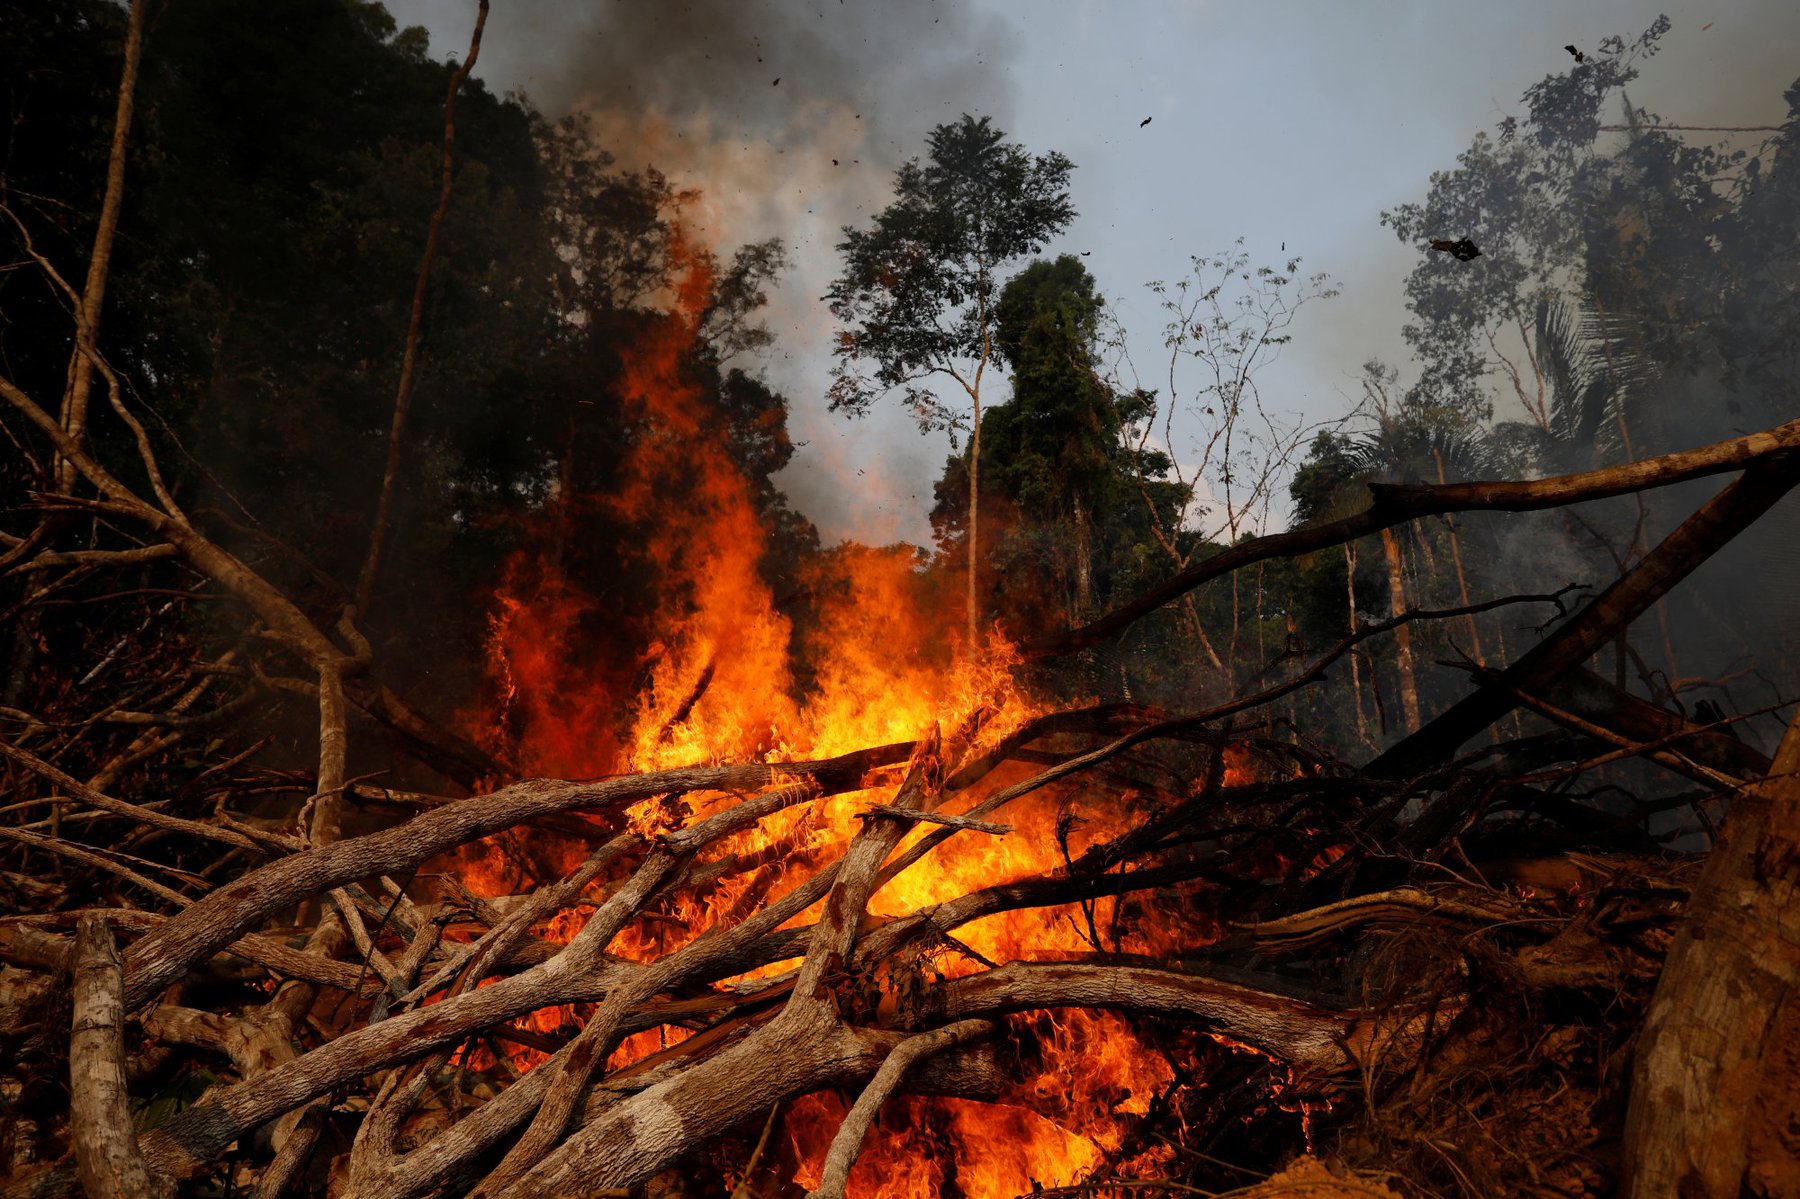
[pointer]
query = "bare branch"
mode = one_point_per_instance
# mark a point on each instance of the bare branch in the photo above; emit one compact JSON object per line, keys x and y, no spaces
{"x":365,"y":582}
{"x":847,"y":1144}
{"x":93,"y":292}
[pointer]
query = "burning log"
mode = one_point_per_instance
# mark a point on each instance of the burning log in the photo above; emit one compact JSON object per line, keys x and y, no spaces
{"x":747,"y":1054}
{"x":848,"y":1142}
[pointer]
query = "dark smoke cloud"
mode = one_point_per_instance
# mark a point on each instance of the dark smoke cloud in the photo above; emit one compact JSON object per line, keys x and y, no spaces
{"x":689,"y":87}
{"x":901,"y":64}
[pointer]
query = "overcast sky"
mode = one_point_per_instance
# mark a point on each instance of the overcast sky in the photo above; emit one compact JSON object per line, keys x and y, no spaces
{"x":1276,"y":122}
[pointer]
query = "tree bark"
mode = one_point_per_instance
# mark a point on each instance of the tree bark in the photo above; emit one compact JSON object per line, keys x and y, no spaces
{"x":107,"y":1160}
{"x":1403,"y":659}
{"x":1721,"y":1040}
{"x":1084,"y":562}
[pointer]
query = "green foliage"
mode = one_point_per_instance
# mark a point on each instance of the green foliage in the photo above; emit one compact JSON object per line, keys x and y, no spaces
{"x":1071,"y":494}
{"x":1639,"y":292}
{"x":1622,"y":256}
{"x":1517,"y":196}
{"x":1328,"y":483}
{"x":919,"y":288}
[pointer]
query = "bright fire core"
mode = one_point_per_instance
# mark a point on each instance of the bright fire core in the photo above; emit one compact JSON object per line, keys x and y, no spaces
{"x":721,"y":681}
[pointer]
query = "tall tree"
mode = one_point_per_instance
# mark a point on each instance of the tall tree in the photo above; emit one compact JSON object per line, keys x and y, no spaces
{"x":1414,"y":437}
{"x":1525,"y":196}
{"x":1049,"y":316}
{"x":1059,"y":467}
{"x":919,"y":290}
{"x":1054,"y":459}
{"x":281,"y":175}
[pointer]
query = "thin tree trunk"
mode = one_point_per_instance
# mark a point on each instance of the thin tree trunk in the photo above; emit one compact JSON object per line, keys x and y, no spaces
{"x":1462,"y":580}
{"x":1198,"y":631}
{"x":1512,"y":721}
{"x":1084,"y":563}
{"x":365,"y":583}
{"x":1231,"y":647}
{"x":1362,"y":724}
{"x":1262,"y":648}
{"x":93,"y":292}
{"x":974,"y":390}
{"x":974,"y":519}
{"x":1713,"y":1110}
{"x":328,"y":798}
{"x":1403,"y":660}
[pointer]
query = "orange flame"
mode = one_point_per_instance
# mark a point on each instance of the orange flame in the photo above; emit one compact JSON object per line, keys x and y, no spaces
{"x":722,"y":682}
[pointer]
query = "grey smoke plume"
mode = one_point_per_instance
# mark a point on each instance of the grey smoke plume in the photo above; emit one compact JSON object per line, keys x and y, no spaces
{"x":754,"y":67}
{"x":690,"y":87}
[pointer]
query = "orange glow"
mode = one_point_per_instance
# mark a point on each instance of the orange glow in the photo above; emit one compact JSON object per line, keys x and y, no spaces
{"x":720,"y":682}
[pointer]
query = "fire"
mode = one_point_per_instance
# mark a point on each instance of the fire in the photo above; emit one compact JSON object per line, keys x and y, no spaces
{"x":728,"y":677}
{"x":912,"y":1151}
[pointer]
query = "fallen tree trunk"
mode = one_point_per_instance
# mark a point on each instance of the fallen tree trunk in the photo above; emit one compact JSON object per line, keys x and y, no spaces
{"x":1589,"y":695}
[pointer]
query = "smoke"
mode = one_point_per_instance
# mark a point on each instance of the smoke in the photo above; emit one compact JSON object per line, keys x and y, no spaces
{"x":789,"y":119}
{"x":762,"y":62}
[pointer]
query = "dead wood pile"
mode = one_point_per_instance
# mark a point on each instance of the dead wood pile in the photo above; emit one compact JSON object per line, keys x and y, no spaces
{"x":196,"y":998}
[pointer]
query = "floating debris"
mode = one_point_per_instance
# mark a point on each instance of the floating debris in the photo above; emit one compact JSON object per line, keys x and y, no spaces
{"x":1462,"y":249}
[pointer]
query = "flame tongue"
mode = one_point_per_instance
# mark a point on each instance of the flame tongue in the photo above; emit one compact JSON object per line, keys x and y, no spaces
{"x":718,"y":682}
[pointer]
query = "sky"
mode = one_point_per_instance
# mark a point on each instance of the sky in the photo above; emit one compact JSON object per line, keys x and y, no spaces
{"x":1290,"y":124}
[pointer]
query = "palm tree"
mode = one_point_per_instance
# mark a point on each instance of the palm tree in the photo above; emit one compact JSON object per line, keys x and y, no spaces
{"x":1594,"y":365}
